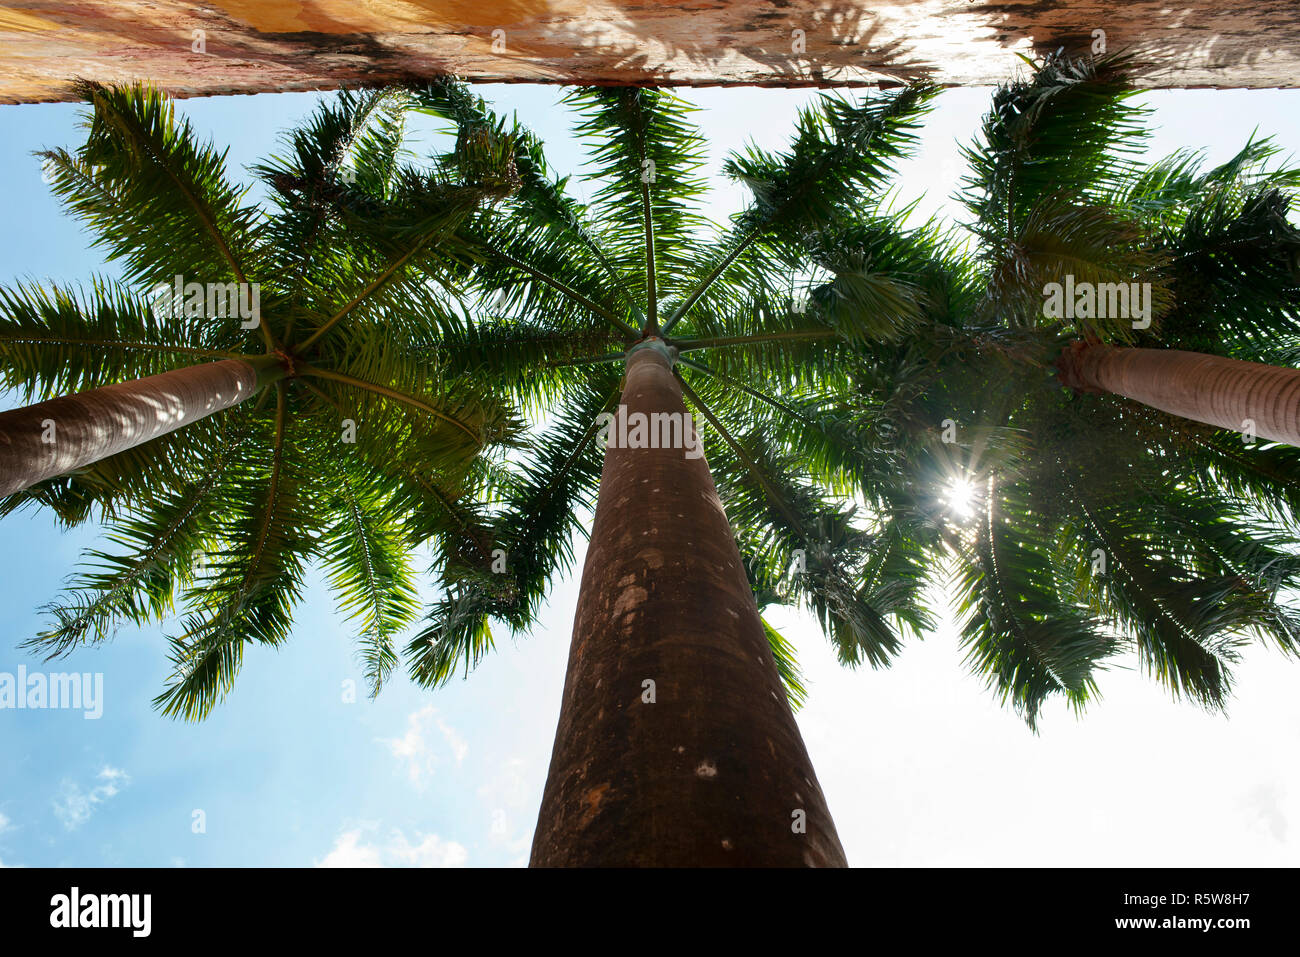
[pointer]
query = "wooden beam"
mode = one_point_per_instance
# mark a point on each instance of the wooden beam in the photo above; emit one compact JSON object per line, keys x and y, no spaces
{"x":248,"y":46}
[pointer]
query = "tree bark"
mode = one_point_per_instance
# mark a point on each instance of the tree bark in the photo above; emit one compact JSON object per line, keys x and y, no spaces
{"x":713,"y":771}
{"x":51,"y":438}
{"x":1227,"y":393}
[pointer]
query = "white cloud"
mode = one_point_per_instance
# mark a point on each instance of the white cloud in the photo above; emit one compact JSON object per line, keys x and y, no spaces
{"x":502,"y":832}
{"x":459,"y":746}
{"x":114,"y":774}
{"x":417,"y":749}
{"x":509,"y":786}
{"x":431,"y":851}
{"x":507,"y":794}
{"x":5,"y":825}
{"x":350,"y":852}
{"x":75,"y":806}
{"x":1267,"y":801}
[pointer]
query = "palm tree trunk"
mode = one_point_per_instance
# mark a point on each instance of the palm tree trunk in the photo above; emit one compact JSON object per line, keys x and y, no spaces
{"x":51,"y":438}
{"x":676,"y":745}
{"x":1228,"y":393}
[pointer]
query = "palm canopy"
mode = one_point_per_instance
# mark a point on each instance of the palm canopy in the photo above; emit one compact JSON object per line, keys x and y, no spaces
{"x":1076,"y":526}
{"x":568,"y":287}
{"x":827,"y":348}
{"x":1056,"y":185}
{"x":1089,"y":524}
{"x":362,"y":445}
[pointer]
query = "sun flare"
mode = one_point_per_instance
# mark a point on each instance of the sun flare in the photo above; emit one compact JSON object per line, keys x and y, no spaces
{"x":960,"y":495}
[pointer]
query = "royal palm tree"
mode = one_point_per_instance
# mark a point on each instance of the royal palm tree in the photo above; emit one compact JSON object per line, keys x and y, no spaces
{"x":1059,"y":197}
{"x":231,"y":454}
{"x":1086,"y":524}
{"x":676,"y":742}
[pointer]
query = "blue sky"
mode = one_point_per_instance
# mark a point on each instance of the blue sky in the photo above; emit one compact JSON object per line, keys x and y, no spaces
{"x":919,"y":764}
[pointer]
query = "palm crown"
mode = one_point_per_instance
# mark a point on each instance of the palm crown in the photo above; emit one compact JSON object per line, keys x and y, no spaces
{"x":570,"y":287}
{"x":346,"y":457}
{"x":1096,"y":524}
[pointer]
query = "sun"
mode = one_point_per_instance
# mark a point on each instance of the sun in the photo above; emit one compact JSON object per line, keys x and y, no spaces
{"x":960,"y":496}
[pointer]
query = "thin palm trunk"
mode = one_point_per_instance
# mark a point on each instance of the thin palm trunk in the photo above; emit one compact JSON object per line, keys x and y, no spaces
{"x":676,"y":745}
{"x":1228,"y":393}
{"x":52,"y":438}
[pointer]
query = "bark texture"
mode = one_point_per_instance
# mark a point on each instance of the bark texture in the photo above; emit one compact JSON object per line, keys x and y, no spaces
{"x":1215,"y":390}
{"x":714,"y":771}
{"x":51,"y":438}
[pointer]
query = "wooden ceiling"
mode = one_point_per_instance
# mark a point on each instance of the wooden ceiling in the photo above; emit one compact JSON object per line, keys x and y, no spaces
{"x":247,"y":46}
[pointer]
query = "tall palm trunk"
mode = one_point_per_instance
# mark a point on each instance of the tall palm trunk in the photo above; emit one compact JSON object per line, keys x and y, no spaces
{"x":676,"y":745}
{"x":50,"y":438}
{"x":1215,"y":390}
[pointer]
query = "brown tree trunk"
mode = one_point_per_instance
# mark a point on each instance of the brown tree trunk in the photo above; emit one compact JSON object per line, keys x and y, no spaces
{"x":712,"y":771}
{"x":1228,"y":393}
{"x":51,"y":438}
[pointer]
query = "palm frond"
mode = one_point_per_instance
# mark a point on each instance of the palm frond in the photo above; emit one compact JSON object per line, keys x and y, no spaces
{"x":155,"y":198}
{"x":1027,"y":639}
{"x":1071,"y":127}
{"x":368,"y":566}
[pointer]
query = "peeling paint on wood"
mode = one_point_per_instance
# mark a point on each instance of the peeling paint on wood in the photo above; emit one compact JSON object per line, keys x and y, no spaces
{"x":253,"y":46}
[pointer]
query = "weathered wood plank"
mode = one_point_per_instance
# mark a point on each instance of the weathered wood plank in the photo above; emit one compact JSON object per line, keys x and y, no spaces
{"x":257,"y":45}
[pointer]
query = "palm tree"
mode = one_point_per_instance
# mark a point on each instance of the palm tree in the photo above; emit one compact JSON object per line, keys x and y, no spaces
{"x":1081,"y":525}
{"x":139,"y":166}
{"x":261,"y":502}
{"x":676,"y":742}
{"x":320,"y":432}
{"x":1059,"y":198}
